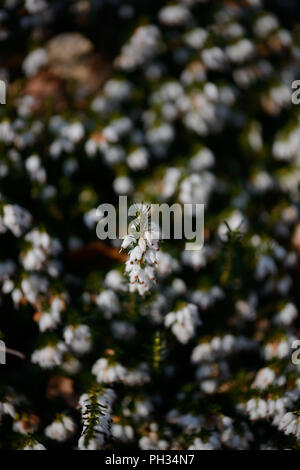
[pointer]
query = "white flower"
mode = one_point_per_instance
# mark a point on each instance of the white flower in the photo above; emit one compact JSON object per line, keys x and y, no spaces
{"x":197,"y":188}
{"x":287,"y":315}
{"x":149,"y":443}
{"x":117,"y":129}
{"x":91,"y":217}
{"x":32,"y":286}
{"x":34,"y":61}
{"x":178,"y":287}
{"x":277,"y":349}
{"x":290,"y":424}
{"x":123,"y":185}
{"x":101,"y":428}
{"x":115,"y":281}
{"x":7,"y":408}
{"x":108,"y":302}
{"x":138,"y":159}
{"x":118,"y":90}
{"x":174,"y":15}
{"x":36,"y":172}
{"x":196,"y":38}
{"x":123,"y":433}
{"x":214,"y":58}
{"x":184,"y":322}
{"x":208,"y":386}
{"x":166,"y":264}
{"x":257,"y":409}
{"x":50,"y":319}
{"x":78,"y":338}
{"x":202,"y":160}
{"x":220,"y":347}
{"x":107,"y":372}
{"x":43,"y":247}
{"x":142,"y":245}
{"x":16,"y":219}
{"x":264,"y":25}
{"x":159,"y":137}
{"x":74,"y":131}
{"x":95,"y":443}
{"x":262,"y":182}
{"x":264,"y":378}
{"x":111,"y":371}
{"x":240,"y":51}
{"x":113,"y":155}
{"x":34,"y":259}
{"x":170,"y":181}
{"x":143,"y":45}
{"x":61,"y":429}
{"x":49,"y":356}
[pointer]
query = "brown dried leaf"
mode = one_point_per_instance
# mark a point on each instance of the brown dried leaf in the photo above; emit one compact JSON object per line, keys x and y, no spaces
{"x":60,"y":386}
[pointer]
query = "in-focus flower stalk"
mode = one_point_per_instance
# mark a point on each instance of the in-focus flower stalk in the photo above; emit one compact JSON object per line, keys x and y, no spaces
{"x":142,"y":245}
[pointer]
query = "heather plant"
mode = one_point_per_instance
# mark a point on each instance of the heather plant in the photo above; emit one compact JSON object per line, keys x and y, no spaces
{"x":138,"y":342}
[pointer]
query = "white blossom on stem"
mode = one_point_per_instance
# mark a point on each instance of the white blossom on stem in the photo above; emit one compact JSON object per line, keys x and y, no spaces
{"x":142,"y":245}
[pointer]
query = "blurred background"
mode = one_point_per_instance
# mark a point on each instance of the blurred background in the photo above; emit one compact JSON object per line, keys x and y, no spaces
{"x":187,"y":101}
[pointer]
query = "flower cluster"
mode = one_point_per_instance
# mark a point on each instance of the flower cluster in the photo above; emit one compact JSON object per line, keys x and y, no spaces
{"x":142,"y":243}
{"x":96,"y":416}
{"x":180,"y":102}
